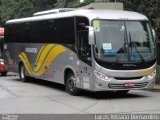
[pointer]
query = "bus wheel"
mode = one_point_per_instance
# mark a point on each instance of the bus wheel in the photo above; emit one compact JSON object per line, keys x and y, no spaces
{"x":22,"y":73}
{"x":70,"y":85}
{"x":4,"y":73}
{"x":122,"y":91}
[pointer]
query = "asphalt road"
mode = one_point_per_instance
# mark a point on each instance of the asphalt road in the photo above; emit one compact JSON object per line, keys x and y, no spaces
{"x":42,"y":97}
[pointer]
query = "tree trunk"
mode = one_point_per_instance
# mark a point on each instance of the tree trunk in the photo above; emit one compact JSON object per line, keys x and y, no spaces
{"x":61,"y":3}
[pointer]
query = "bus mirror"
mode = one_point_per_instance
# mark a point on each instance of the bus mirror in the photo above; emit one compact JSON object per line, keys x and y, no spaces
{"x":154,"y":34}
{"x":91,"y":36}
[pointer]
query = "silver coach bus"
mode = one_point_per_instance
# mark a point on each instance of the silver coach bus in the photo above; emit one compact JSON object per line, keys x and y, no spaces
{"x":95,"y":50}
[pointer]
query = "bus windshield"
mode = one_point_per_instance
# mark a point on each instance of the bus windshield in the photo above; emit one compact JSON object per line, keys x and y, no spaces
{"x":123,"y":41}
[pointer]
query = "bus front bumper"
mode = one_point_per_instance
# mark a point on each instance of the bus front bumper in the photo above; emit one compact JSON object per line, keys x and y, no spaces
{"x":120,"y":84}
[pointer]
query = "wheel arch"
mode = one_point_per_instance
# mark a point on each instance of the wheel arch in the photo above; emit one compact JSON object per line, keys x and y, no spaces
{"x":19,"y":65}
{"x":66,"y":71}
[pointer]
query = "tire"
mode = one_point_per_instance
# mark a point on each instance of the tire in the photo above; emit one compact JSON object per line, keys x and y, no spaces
{"x":4,"y":73}
{"x":122,"y":91}
{"x":22,"y":73}
{"x":70,"y":86}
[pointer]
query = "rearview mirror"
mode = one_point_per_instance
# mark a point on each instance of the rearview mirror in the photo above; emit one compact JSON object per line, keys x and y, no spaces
{"x":154,"y":34}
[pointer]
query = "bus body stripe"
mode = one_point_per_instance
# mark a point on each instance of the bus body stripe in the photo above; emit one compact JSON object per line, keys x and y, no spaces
{"x":42,"y":61}
{"x":42,"y":56}
{"x":51,"y":56}
{"x":39,"y":54}
{"x":25,"y":64}
{"x":48,"y":56}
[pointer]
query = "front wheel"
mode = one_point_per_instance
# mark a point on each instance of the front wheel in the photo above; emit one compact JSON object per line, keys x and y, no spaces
{"x":70,"y":84}
{"x":22,"y":73}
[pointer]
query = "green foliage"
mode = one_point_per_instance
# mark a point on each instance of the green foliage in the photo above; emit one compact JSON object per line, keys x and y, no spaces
{"x":77,"y":3}
{"x":12,"y":9}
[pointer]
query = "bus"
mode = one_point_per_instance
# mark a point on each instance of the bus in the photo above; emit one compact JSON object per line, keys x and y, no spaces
{"x":3,"y":71}
{"x":88,"y":49}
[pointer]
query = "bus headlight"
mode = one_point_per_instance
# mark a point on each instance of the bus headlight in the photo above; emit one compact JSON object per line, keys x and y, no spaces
{"x":101,"y":75}
{"x":151,"y":75}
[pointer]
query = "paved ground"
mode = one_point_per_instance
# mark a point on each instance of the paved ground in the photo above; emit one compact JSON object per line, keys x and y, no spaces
{"x":39,"y":96}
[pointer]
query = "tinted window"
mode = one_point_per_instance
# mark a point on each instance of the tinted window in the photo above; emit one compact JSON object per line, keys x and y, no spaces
{"x":46,"y":31}
{"x":33,"y":32}
{"x":17,"y":33}
{"x":49,"y":31}
{"x":81,"y":23}
{"x":65,"y":30}
{"x":10,"y":33}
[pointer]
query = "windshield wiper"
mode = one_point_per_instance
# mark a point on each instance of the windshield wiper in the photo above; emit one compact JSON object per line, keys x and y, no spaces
{"x":135,"y":47}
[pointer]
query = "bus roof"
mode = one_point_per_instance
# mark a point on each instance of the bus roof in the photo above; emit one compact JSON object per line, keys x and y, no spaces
{"x":89,"y":13}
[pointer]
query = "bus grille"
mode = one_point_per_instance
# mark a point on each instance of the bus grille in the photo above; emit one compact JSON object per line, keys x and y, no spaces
{"x":122,"y":86}
{"x":128,"y":78}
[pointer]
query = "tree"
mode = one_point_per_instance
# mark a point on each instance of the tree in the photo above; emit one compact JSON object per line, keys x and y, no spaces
{"x":72,"y":3}
{"x":12,"y":9}
{"x":151,"y":8}
{"x":61,"y":3}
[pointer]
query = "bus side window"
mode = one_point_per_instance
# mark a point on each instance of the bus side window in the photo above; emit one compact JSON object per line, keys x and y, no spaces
{"x":83,"y":44}
{"x":84,"y":49}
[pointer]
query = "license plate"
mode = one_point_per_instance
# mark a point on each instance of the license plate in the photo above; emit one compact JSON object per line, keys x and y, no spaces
{"x":129,"y":85}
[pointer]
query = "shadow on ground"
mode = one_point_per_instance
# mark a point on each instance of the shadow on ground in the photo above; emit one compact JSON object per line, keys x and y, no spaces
{"x":88,"y":94}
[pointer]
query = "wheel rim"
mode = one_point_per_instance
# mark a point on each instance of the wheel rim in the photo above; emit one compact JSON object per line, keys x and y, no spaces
{"x":71,"y":83}
{"x":22,"y":72}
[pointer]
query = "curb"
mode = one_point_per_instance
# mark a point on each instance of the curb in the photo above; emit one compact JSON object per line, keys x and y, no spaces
{"x":156,"y":88}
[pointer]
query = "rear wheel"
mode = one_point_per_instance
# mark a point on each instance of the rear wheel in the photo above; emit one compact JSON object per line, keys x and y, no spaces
{"x":70,"y":84}
{"x":4,"y":73}
{"x":22,"y":73}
